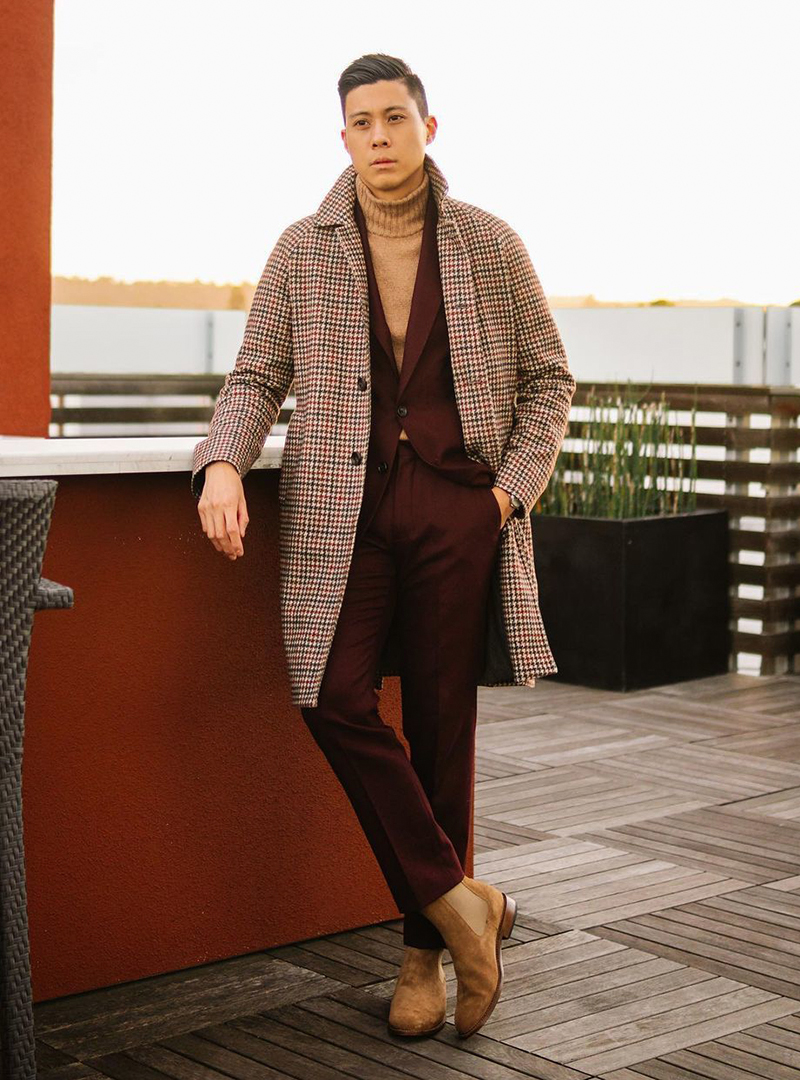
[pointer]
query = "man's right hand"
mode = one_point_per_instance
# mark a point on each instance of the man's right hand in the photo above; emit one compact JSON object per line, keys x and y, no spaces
{"x":222,"y":508}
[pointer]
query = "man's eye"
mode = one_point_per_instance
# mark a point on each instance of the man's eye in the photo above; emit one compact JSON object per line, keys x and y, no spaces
{"x":394,"y":116}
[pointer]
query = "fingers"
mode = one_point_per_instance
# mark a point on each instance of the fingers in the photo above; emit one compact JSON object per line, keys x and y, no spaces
{"x":224,"y":525}
{"x":232,"y":537}
{"x":224,"y":534}
{"x":242,"y":515}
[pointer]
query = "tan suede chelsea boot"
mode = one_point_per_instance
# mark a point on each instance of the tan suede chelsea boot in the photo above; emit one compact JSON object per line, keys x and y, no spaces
{"x":419,"y":1004}
{"x":477,"y":958}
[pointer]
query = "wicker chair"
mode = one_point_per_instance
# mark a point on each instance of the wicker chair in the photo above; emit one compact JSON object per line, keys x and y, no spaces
{"x":25,"y":510}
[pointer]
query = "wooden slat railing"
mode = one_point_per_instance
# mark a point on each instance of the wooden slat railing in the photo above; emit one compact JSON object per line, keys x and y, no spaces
{"x":124,"y":417}
{"x":758,"y":476}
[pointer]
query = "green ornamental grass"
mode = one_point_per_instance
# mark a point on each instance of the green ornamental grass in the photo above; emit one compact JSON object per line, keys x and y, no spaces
{"x":628,"y":460}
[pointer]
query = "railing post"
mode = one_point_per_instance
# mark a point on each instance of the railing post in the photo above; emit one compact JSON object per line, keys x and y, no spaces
{"x":777,"y":554}
{"x":735,"y":489}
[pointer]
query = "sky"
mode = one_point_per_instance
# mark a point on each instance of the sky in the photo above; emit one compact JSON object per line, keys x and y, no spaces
{"x":641,"y":150}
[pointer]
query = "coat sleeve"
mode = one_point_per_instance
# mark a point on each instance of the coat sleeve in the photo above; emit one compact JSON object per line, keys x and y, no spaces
{"x":545,"y":385}
{"x":251,"y":397}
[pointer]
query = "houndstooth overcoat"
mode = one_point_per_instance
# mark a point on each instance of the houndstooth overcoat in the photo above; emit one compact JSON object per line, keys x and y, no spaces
{"x":309,"y":324}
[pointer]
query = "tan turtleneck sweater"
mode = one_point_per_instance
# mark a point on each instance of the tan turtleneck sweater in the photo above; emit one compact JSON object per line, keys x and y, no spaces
{"x":394,"y":231}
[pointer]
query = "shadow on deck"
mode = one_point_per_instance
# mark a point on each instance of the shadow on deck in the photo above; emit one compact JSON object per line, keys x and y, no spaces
{"x":652,"y":842}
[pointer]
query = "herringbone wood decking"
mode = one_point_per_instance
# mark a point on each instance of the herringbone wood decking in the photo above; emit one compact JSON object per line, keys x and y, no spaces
{"x":652,"y":842}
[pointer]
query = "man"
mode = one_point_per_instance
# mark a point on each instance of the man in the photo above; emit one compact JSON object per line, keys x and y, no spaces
{"x":432,"y":398}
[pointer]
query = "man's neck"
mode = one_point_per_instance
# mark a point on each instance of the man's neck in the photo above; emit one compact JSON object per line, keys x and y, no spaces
{"x":395,"y":217}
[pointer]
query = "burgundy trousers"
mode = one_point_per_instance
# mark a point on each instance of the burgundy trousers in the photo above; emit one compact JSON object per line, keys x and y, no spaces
{"x":424,"y":554}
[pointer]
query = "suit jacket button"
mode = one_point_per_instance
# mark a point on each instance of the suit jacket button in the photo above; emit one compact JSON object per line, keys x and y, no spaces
{"x":383,"y":466}
{"x":355,"y":458}
{"x":362,"y":383}
{"x":401,"y":410}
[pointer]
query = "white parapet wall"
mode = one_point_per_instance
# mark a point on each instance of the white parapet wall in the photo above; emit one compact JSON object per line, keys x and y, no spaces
{"x":22,"y":455}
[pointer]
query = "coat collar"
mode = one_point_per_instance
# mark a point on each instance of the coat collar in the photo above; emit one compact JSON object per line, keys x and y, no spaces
{"x":337,"y":206}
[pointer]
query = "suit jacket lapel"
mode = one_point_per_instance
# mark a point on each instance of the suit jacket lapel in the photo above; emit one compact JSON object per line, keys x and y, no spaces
{"x":425,"y":301}
{"x":378,"y":319}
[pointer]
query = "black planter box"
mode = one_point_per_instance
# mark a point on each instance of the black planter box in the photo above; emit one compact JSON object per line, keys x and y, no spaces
{"x":634,"y":602}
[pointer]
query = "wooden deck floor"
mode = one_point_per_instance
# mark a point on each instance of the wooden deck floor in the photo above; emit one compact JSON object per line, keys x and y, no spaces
{"x":652,"y":841}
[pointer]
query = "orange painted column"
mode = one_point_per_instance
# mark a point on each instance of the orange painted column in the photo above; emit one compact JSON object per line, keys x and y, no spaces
{"x":26,"y":117}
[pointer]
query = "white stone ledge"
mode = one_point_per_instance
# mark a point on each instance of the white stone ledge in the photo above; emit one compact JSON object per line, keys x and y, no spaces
{"x":22,"y":455}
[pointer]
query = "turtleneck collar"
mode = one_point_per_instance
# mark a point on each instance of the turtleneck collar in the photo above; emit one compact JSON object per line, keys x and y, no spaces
{"x":397,"y":217}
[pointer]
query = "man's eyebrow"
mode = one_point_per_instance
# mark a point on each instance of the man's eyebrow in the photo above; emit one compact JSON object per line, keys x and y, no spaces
{"x":389,"y":108}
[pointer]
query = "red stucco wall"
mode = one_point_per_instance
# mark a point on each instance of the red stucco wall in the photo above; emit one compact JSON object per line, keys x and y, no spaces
{"x":26,"y":113}
{"x":176,"y":808}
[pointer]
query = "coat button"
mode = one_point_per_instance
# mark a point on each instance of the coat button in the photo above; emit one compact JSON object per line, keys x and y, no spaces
{"x":355,"y":458}
{"x":401,"y":410}
{"x":383,"y":466}
{"x":362,"y":383}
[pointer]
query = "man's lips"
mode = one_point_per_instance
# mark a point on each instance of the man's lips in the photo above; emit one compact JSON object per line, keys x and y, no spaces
{"x":383,"y":161}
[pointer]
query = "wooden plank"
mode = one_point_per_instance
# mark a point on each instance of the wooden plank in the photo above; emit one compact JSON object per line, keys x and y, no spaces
{"x":694,"y":767}
{"x":658,"y":935}
{"x":722,"y":1058}
{"x":711,"y":1060}
{"x":785,"y":885}
{"x":567,"y":741}
{"x":489,"y":765}
{"x":776,"y":804}
{"x":193,"y":1057}
{"x":569,"y":1035}
{"x":782,"y":742}
{"x":751,"y":848}
{"x":56,"y":1065}
{"x":568,"y":799}
{"x":774,"y":697}
{"x":776,"y":1035}
{"x":125,"y":1067}
{"x":115,"y":1018}
{"x":537,"y":1029}
{"x":492,"y":835}
{"x":691,"y":717}
{"x":615,"y":976}
{"x":658,"y":1035}
{"x":743,"y":927}
{"x":355,"y":1013}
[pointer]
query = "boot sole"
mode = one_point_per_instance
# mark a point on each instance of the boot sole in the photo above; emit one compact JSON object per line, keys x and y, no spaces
{"x":507,"y":920}
{"x":416,"y":1034}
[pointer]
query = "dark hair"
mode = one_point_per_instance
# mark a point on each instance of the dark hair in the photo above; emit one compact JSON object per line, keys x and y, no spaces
{"x":371,"y":68}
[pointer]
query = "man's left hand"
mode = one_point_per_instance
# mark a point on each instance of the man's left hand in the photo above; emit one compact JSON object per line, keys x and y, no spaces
{"x":504,"y":500}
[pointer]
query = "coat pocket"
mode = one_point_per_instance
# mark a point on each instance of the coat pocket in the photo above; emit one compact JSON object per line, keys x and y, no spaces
{"x":289,"y":458}
{"x":498,"y":513}
{"x":523,"y":537}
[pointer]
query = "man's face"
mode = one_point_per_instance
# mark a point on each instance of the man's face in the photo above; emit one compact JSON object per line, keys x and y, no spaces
{"x":382,"y":121}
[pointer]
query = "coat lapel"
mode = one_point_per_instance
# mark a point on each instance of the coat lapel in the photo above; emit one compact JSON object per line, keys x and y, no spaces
{"x":350,"y":241}
{"x":468,"y":362}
